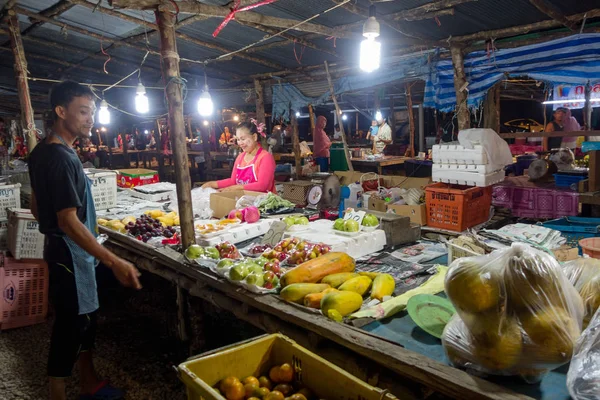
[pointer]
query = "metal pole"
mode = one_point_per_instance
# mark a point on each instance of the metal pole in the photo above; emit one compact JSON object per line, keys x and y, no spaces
{"x":421,"y":128}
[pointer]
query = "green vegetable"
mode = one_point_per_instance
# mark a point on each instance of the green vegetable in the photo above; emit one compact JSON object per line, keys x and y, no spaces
{"x":273,"y":203}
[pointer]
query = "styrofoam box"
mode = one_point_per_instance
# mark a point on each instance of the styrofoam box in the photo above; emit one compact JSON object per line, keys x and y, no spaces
{"x":321,"y":231}
{"x":237,"y":234}
{"x":471,"y":168}
{"x":457,"y":154}
{"x":162,"y":196}
{"x":465,"y":177}
{"x":24,"y":237}
{"x":104,"y":188}
{"x":10,"y":197}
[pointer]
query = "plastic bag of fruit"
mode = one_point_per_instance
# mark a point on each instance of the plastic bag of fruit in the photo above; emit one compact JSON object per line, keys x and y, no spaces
{"x":583,"y":378}
{"x":258,"y":275}
{"x":517,"y":313}
{"x":584,"y":274}
{"x":199,"y":254}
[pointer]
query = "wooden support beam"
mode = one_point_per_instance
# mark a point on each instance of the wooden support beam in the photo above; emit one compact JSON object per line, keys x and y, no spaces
{"x":410,"y":151}
{"x":553,"y":12}
{"x":173,"y":91}
{"x":460,"y":87}
{"x":311,"y":115}
{"x":392,"y":116}
{"x":260,"y":109}
{"x":428,"y":8}
{"x":16,"y":44}
{"x":296,"y":144}
{"x":206,"y":10}
{"x":430,"y":15}
{"x":491,"y":109}
{"x":587,"y":108}
{"x":9,"y":4}
{"x":50,"y":12}
{"x":338,"y":112}
{"x":594,"y":174}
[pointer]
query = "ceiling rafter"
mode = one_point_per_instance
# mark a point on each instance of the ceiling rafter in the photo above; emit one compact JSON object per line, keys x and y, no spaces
{"x":553,"y":12}
{"x":428,"y":8}
{"x":50,"y":12}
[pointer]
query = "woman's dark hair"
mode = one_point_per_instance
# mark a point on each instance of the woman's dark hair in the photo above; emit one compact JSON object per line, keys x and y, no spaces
{"x":63,"y":93}
{"x":248,"y":126}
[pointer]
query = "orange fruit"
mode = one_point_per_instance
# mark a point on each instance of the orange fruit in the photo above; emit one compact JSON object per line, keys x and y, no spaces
{"x":251,"y":379}
{"x":263,"y":381}
{"x":274,"y":395}
{"x":262,"y":392}
{"x":274,"y":374}
{"x":284,"y":388}
{"x":227,"y":383}
{"x":286,"y":373}
{"x":297,"y":396}
{"x":236,"y":391}
{"x":250,"y":388}
{"x":253,"y":398}
{"x":306,"y":393}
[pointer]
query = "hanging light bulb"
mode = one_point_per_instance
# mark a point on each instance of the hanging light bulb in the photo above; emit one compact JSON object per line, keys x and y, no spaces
{"x":103,"y":113}
{"x":205,"y":104}
{"x":297,"y":114}
{"x":205,"y":123}
{"x":344,"y":117}
{"x":378,"y":116}
{"x":141,"y":101}
{"x":236,"y":118}
{"x":370,"y":49}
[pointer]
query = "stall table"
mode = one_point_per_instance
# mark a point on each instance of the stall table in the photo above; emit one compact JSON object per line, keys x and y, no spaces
{"x":379,"y":163}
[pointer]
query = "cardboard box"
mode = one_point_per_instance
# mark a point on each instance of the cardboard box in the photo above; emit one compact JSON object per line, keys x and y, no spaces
{"x":377,"y":205}
{"x":417,"y":214}
{"x":347,"y":177}
{"x":566,"y":253}
{"x":128,"y":178}
{"x":221,"y":203}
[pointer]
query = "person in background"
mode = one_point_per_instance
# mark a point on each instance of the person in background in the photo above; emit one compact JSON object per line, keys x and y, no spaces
{"x":570,"y":124}
{"x":372,"y":130}
{"x":277,"y":135}
{"x":226,"y":137}
{"x":152,"y":142}
{"x":198,"y":135}
{"x":337,"y":134}
{"x":321,"y":144}
{"x":556,"y":125}
{"x":383,"y":137}
{"x":254,"y":168}
{"x":62,"y":203}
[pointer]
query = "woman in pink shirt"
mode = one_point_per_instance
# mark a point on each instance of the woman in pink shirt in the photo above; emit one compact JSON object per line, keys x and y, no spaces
{"x":254,"y":168}
{"x":321,"y":144}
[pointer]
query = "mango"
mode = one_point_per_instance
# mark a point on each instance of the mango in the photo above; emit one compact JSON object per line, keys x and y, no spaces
{"x":128,"y":219}
{"x":296,"y":291}
{"x":155,"y":213}
{"x":383,"y":285}
{"x":360,"y":285}
{"x":371,"y":275}
{"x":340,"y":302}
{"x":335,"y":280}
{"x":102,"y":221}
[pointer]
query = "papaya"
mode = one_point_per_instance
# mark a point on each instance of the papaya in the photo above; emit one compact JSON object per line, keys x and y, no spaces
{"x":314,"y":270}
{"x":383,"y":285}
{"x":340,"y":302}
{"x":360,"y":285}
{"x":371,"y":275}
{"x":335,"y":280}
{"x":296,"y":292}
{"x":313,"y":300}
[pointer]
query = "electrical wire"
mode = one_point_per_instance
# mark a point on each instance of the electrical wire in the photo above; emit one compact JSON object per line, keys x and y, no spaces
{"x":126,"y":112}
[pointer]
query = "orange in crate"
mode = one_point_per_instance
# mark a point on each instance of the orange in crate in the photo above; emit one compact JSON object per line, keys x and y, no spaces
{"x":457,"y":207}
{"x":24,"y":286}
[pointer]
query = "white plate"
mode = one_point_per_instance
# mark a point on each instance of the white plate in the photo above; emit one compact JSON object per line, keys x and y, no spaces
{"x":349,"y":234}
{"x":370,"y":228}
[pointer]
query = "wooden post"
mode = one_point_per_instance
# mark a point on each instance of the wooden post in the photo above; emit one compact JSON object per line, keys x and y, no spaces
{"x":311,"y":114}
{"x":170,"y":66}
{"x":422,"y":146}
{"x":587,"y":109}
{"x":491,"y":109}
{"x":338,"y":112}
{"x":206,"y":147}
{"x":392,"y":117}
{"x":16,"y":44}
{"x":260,"y":109}
{"x":460,"y":87}
{"x":376,"y":102}
{"x":410,"y":151}
{"x":125,"y":148}
{"x":296,"y":144}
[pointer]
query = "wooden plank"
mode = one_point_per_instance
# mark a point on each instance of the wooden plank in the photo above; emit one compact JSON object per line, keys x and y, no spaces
{"x":553,"y":12}
{"x":311,"y":115}
{"x":428,"y":8}
{"x":491,"y":109}
{"x":260,"y":110}
{"x":296,"y":145}
{"x":21,"y":73}
{"x":460,"y":87}
{"x":594,"y":174}
{"x":338,"y":112}
{"x":410,"y":151}
{"x":548,"y":134}
{"x":173,"y":91}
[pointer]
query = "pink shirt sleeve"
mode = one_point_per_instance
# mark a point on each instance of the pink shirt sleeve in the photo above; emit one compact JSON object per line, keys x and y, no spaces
{"x":223,"y":183}
{"x":265,"y":171}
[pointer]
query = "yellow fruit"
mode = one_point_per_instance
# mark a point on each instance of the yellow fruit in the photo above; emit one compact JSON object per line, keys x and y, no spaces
{"x":335,"y":280}
{"x":371,"y":275}
{"x":251,"y":379}
{"x":306,"y":393}
{"x":155,"y":213}
{"x":472,"y":289}
{"x":313,"y":300}
{"x":235,"y":391}
{"x":262,"y":392}
{"x":360,"y":285}
{"x":334,"y":315}
{"x":297,"y":396}
{"x":284,"y":388}
{"x":172,"y":214}
{"x":253,"y":398}
{"x":227,"y":383}
{"x":116,"y":225}
{"x":286,"y":375}
{"x":166,"y":221}
{"x":500,"y":351}
{"x":344,"y":302}
{"x":383,"y":285}
{"x":128,"y":219}
{"x":274,"y":374}
{"x":296,"y":291}
{"x":250,"y":388}
{"x":264,"y":382}
{"x":176,"y":221}
{"x":102,"y":221}
{"x":274,"y":395}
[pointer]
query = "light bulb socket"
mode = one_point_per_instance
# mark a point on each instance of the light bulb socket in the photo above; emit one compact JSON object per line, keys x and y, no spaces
{"x":103,"y":104}
{"x":140,"y":89}
{"x":372,"y":10}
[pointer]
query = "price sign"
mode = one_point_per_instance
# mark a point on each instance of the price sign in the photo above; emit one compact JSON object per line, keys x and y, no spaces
{"x":355,"y":215}
{"x":274,"y":234}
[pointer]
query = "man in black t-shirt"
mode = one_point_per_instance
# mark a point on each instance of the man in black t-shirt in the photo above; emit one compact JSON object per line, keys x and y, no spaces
{"x":62,"y":203}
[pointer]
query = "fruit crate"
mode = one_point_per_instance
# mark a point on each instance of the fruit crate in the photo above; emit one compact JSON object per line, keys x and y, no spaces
{"x":104,"y":188}
{"x":297,"y":192}
{"x":575,"y":228}
{"x":254,"y":358}
{"x":456,"y":207}
{"x":10,"y":196}
{"x":24,"y":292}
{"x":24,"y":237}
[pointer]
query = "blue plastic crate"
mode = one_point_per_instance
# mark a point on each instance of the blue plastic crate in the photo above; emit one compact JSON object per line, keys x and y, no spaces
{"x":565,"y":180}
{"x":575,"y":228}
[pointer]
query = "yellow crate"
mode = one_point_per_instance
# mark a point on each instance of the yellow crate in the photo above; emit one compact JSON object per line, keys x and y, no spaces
{"x":257,"y":356}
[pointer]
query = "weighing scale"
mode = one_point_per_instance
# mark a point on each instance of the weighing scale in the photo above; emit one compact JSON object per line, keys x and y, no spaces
{"x":324,"y":195}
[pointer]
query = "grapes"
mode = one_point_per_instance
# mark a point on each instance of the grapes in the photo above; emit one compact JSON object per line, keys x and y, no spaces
{"x":144,"y":228}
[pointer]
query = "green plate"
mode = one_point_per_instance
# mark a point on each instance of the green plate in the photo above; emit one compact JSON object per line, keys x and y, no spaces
{"x":431,"y":313}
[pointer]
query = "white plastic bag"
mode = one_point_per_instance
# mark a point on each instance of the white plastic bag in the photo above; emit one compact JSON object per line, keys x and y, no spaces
{"x":496,"y":148}
{"x":584,"y":274}
{"x":517,"y":313}
{"x":583,"y":378}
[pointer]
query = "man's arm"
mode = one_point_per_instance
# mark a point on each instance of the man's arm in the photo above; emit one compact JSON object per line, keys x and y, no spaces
{"x":70,"y":224}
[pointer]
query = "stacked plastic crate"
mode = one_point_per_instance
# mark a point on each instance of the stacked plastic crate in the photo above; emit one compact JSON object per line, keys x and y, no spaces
{"x":453,"y":163}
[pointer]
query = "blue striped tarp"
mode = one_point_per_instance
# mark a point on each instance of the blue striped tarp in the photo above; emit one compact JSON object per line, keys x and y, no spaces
{"x":570,"y":60}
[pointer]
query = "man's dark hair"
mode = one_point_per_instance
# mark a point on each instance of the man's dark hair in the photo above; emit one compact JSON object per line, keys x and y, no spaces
{"x":563,"y":109}
{"x":63,"y":93}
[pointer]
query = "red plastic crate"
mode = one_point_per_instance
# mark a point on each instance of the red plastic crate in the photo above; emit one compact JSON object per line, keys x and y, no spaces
{"x":24,"y":286}
{"x":457,"y":207}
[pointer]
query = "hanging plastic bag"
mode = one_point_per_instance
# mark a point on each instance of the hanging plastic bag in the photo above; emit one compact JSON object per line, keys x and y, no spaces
{"x":583,"y":378}
{"x":517,"y":313}
{"x":584,"y":274}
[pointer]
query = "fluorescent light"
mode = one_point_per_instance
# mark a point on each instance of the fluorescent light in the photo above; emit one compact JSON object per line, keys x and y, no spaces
{"x":568,"y":101}
{"x":370,"y":54}
{"x":146,"y":132}
{"x":103,"y":113}
{"x":141,"y":101}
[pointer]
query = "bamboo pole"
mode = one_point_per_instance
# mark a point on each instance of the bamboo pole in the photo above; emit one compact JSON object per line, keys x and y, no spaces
{"x":338,"y":112}
{"x":587,"y":109}
{"x":16,"y":44}
{"x":460,"y":86}
{"x":170,"y":64}
{"x":260,"y":109}
{"x":311,"y":115}
{"x":296,"y":145}
{"x":410,"y":152}
{"x":491,"y":109}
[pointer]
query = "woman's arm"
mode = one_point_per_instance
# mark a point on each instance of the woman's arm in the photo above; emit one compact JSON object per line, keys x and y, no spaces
{"x":265,"y":171}
{"x":223,"y":183}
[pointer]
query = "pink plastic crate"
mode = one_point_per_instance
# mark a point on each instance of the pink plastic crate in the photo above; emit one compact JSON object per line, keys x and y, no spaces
{"x":518,"y":149}
{"x":24,"y":286}
{"x":532,"y":202}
